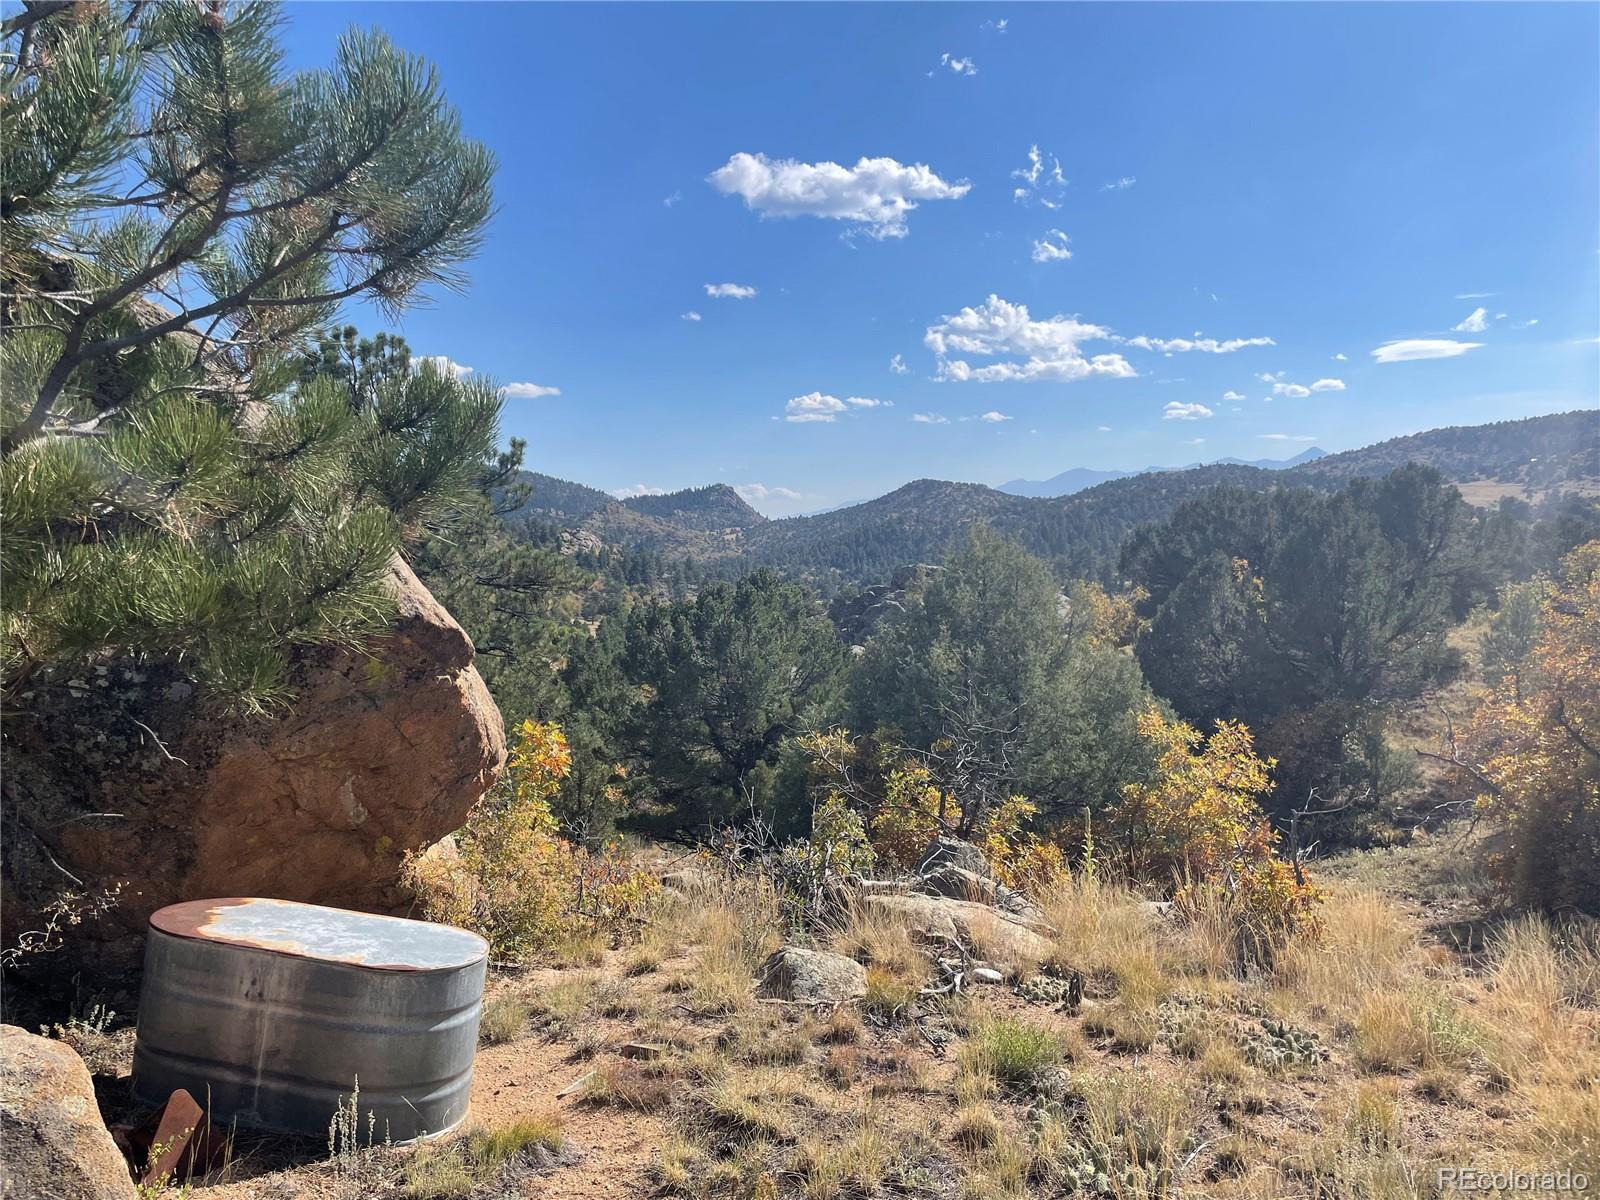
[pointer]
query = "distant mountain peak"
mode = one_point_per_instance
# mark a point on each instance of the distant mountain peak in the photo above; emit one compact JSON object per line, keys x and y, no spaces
{"x":1077,"y":479}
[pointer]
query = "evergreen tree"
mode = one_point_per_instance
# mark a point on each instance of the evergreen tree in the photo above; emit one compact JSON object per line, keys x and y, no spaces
{"x":172,"y":483}
{"x":979,"y":673}
{"x":727,"y":676}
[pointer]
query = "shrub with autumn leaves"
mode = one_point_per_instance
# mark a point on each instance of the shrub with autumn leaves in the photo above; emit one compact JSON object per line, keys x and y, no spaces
{"x":1532,"y":754}
{"x":1198,"y":822}
{"x":514,"y":879}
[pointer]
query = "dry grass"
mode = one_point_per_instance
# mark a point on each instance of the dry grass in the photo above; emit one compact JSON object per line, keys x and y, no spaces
{"x":1104,"y":929}
{"x":1415,"y":1056}
{"x":505,"y":1019}
{"x":883,"y":939}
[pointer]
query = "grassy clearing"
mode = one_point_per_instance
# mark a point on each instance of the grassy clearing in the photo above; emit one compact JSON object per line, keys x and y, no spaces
{"x":1345,"y":1069}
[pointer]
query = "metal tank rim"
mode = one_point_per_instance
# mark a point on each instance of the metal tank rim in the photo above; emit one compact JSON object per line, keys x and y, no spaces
{"x":189,"y":919}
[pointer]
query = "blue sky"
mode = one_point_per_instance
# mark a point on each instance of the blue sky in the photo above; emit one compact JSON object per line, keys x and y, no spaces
{"x":1353,"y":182}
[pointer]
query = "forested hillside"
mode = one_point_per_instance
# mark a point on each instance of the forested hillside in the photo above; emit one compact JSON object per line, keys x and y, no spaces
{"x":1080,"y":534}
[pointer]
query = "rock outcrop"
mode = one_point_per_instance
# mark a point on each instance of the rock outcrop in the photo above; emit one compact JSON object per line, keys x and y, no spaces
{"x":55,"y":1143}
{"x":811,"y":977}
{"x":1004,"y":939}
{"x":120,"y":776}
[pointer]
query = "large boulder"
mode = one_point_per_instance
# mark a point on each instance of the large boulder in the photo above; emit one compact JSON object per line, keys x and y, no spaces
{"x":958,"y":884}
{"x":1012,"y":941}
{"x":54,"y":1143}
{"x":945,"y":851}
{"x":121,"y":776}
{"x":811,"y":977}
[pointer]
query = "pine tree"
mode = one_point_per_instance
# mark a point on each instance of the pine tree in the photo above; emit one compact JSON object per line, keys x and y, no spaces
{"x":179,"y":214}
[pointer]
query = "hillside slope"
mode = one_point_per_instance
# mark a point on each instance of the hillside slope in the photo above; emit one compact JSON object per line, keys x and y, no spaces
{"x":1079,"y":534}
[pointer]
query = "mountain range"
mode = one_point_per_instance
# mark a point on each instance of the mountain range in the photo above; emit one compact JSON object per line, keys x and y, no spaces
{"x":1076,"y":479}
{"x":1080,"y":532}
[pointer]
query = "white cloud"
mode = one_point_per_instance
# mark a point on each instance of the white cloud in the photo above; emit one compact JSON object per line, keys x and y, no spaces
{"x":994,"y":418}
{"x":445,"y":365}
{"x":875,"y":194}
{"x":1102,"y":429}
{"x":813,"y":406}
{"x":1413,"y":349}
{"x":1194,"y":441}
{"x":637,"y":489}
{"x":1328,"y":385}
{"x":1474,"y":322}
{"x":753,"y":493}
{"x":1340,"y":358}
{"x":995,"y":26}
{"x":929,"y":419}
{"x":1121,"y":185}
{"x":1204,"y":344}
{"x":1040,"y":183}
{"x":729,"y":291}
{"x":1185,"y":412}
{"x":1288,"y":437}
{"x":1528,"y":324}
{"x":961,"y":66}
{"x":1043,"y":349}
{"x":1052,"y":247}
{"x":1270,"y":376}
{"x":669,"y":201}
{"x":691,"y":315}
{"x":528,"y":391}
{"x":898,"y":366}
{"x":867,"y":402}
{"x":1292,"y":390}
{"x":1233,"y":395}
{"x":1474,"y":295}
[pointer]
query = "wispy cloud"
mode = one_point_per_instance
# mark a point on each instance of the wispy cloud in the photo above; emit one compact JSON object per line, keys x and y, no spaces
{"x":1328,"y":385}
{"x":929,"y":419}
{"x":958,"y":66}
{"x":867,"y":402}
{"x":1203,"y":344}
{"x":637,"y":489}
{"x":1121,"y":185}
{"x":995,"y":26}
{"x":669,"y":201}
{"x":1230,"y":395}
{"x":1102,"y":429}
{"x":874,"y":196}
{"x":729,"y":291}
{"x":1174,"y":411}
{"x":1041,"y":181}
{"x":755,"y":493}
{"x":528,"y":391}
{"x":898,"y":366}
{"x":1052,"y":247}
{"x":1294,"y":391}
{"x":691,"y":315}
{"x":1289,"y":437}
{"x":1474,"y":322}
{"x":1475,"y":295}
{"x":1415,"y":349}
{"x":994,"y":418}
{"x":1048,"y":349}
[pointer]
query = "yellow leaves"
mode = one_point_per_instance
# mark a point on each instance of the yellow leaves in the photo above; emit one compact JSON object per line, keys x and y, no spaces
{"x":1198,"y":818}
{"x":513,"y":878}
{"x":1537,"y":742}
{"x":909,"y":816}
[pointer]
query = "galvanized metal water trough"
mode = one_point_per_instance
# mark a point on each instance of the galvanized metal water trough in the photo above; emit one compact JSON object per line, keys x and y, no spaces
{"x":269,"y":1012}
